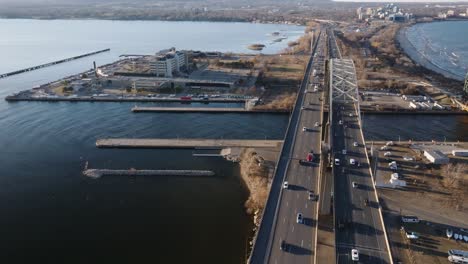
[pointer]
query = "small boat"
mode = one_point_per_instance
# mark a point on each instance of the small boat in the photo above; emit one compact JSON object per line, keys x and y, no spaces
{"x":465,"y":238}
{"x":449,"y":233}
{"x":455,"y":236}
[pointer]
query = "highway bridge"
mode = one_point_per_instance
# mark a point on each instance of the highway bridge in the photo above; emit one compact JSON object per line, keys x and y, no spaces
{"x":357,"y":215}
{"x":357,"y":212}
{"x":279,"y":222}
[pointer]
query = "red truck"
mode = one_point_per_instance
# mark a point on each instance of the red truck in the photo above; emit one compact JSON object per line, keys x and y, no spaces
{"x":186,"y":98}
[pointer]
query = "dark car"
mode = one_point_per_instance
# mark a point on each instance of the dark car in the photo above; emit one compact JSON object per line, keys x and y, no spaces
{"x":284,"y":246}
{"x":312,"y":196}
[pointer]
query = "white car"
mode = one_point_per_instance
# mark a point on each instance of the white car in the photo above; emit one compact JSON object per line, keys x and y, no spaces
{"x":408,"y":158}
{"x":299,"y":218}
{"x":303,"y":107}
{"x":355,"y":185}
{"x":285,"y":185}
{"x":352,"y":161}
{"x":337,"y":162}
{"x":354,"y":254}
{"x":355,"y":144}
{"x":388,"y":153}
{"x":340,"y":122}
{"x":304,"y":129}
{"x":350,"y":115}
{"x":412,"y":235}
{"x":316,"y":124}
{"x":343,"y":151}
{"x":384,"y":148}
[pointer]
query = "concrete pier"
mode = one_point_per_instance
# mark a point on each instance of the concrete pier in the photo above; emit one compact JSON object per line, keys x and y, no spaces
{"x":4,"y":75}
{"x":26,"y":96}
{"x":185,"y":143}
{"x":138,"y":109}
{"x":96,"y":173}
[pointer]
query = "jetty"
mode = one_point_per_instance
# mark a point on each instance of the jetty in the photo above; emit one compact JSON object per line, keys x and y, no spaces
{"x":26,"y":96}
{"x":138,"y":109}
{"x":4,"y":75}
{"x":185,"y":143}
{"x":97,"y":173}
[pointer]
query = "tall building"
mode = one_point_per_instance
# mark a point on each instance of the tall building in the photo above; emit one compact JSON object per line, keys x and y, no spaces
{"x":168,"y":62}
{"x":359,"y":13}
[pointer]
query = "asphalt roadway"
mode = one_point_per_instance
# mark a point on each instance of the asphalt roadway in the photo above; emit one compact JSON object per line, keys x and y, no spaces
{"x":279,"y":218}
{"x":362,"y":228}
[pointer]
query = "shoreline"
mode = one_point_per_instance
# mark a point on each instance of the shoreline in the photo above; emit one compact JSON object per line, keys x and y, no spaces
{"x":408,"y":48}
{"x":155,"y":20}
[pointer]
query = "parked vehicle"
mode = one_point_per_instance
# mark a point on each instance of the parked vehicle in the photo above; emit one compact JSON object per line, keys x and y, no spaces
{"x":285,"y":185}
{"x":410,"y":219}
{"x":411,"y":235}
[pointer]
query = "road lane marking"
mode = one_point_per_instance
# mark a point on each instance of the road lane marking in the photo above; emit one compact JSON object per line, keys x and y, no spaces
{"x":306,"y":205}
{"x":302,"y":243}
{"x":284,"y":220}
{"x":287,"y":204}
{"x":292,"y":229}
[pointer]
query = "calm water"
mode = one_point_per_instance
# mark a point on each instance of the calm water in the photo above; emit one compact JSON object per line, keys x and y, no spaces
{"x":440,"y":46}
{"x":52,"y":214}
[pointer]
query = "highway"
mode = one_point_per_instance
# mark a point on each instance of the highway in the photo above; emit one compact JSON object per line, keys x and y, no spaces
{"x":358,"y":222}
{"x":362,"y":228}
{"x":279,"y":218}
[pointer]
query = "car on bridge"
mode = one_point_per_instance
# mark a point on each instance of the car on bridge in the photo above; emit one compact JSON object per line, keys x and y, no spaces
{"x":299,"y":218}
{"x":354,"y":254}
{"x":337,"y":162}
{"x":284,"y":246}
{"x":312,"y":196}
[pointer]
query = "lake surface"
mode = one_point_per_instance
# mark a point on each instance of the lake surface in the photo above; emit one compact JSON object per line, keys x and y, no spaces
{"x":53,"y":214}
{"x":439,"y":46}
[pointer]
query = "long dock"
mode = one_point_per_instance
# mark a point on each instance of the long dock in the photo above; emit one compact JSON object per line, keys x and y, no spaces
{"x":138,"y":109}
{"x":139,"y":99}
{"x":97,"y":173}
{"x":185,"y":143}
{"x":4,"y":75}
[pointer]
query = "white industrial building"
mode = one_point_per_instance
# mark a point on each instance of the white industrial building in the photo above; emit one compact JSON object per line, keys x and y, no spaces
{"x":168,"y":62}
{"x":436,"y":157}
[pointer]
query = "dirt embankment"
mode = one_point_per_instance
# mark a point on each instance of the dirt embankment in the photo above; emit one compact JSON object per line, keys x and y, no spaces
{"x":255,"y":173}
